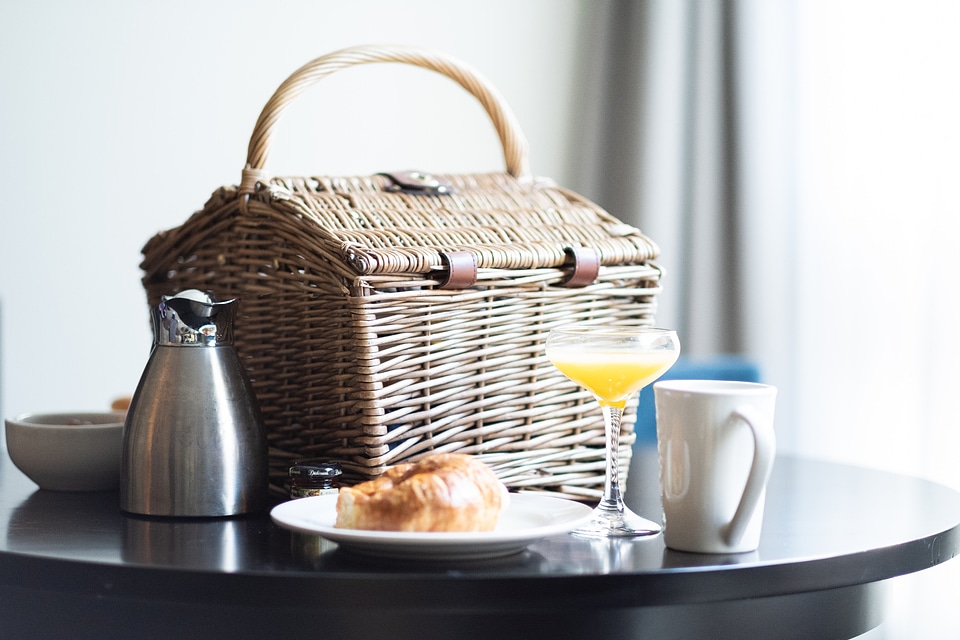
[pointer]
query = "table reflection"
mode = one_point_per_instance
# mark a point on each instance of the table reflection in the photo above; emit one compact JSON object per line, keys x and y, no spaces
{"x":55,"y":522}
{"x":223,"y":544}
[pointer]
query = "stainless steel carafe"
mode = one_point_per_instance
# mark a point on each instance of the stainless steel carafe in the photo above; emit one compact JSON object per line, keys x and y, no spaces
{"x":193,"y":443}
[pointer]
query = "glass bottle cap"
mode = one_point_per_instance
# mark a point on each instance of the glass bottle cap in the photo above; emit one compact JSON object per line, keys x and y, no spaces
{"x":315,"y":469}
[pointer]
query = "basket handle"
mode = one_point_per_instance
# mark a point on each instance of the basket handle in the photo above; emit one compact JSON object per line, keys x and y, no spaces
{"x":511,"y":137}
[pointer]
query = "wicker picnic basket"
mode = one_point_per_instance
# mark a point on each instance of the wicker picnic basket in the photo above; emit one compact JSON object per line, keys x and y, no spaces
{"x":389,"y":316}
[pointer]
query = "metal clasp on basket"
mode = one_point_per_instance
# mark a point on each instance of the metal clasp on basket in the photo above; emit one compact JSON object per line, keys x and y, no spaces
{"x":418,"y":182}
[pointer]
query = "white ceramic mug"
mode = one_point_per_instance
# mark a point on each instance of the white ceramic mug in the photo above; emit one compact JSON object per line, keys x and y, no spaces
{"x":716,"y":447}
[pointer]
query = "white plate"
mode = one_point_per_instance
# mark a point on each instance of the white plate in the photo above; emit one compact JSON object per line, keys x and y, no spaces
{"x":527,"y":518}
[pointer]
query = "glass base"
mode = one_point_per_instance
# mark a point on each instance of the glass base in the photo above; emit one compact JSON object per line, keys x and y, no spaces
{"x":613,"y":523}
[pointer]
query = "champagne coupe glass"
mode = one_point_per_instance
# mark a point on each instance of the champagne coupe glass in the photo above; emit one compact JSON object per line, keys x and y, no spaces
{"x":613,"y":364}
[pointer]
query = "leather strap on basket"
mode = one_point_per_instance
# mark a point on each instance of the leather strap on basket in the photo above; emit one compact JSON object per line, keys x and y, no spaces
{"x":459,"y":270}
{"x":508,"y":129}
{"x":582,"y":266}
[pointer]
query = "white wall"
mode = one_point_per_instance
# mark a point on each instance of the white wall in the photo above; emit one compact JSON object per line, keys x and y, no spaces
{"x":876,"y":264}
{"x":879,"y":200}
{"x":118,"y":119}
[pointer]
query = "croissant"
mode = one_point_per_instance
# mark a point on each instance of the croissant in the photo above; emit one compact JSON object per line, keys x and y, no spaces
{"x":444,"y":492}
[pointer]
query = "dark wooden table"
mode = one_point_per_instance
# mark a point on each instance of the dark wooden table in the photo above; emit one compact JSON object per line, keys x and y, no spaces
{"x":71,"y":565}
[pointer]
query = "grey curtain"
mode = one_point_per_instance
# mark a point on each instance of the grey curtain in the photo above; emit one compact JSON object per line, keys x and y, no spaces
{"x":658,"y":145}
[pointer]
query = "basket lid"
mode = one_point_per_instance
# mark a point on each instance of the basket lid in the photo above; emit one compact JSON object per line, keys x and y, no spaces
{"x":503,"y":221}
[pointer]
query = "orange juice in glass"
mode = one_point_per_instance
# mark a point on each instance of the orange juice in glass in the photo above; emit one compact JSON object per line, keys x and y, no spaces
{"x":613,"y":364}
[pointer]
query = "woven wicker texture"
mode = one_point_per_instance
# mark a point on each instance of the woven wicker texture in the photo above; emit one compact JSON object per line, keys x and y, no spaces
{"x":355,"y":351}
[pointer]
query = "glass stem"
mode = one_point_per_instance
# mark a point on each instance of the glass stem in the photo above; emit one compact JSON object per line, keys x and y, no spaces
{"x":612,"y":499}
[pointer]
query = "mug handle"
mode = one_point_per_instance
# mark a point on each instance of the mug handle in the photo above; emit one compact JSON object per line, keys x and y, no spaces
{"x":764,"y":451}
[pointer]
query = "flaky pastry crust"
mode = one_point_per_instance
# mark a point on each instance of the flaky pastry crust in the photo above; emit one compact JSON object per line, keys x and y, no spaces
{"x":444,"y":492}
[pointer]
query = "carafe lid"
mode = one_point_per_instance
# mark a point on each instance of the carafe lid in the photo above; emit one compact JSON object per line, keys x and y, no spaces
{"x":193,"y":318}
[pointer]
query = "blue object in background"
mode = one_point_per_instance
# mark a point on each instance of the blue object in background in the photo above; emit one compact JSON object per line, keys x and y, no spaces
{"x":726,"y":367}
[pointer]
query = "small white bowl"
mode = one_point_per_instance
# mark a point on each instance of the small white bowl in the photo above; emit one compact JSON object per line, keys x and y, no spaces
{"x":68,"y":451}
